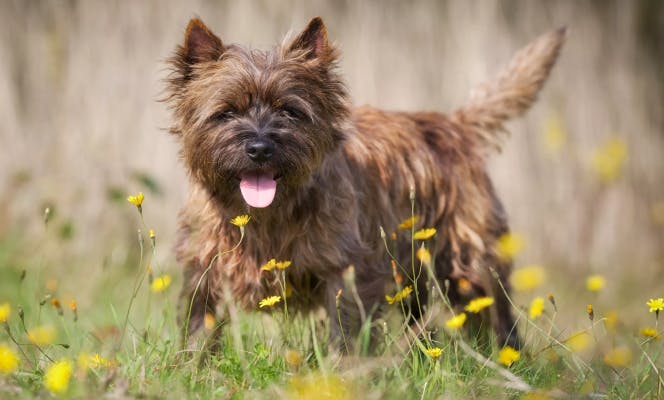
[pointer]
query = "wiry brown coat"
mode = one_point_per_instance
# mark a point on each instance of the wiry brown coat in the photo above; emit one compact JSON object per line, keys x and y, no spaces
{"x":343,"y":172}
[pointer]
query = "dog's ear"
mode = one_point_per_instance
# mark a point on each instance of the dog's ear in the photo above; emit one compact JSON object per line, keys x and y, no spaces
{"x":200,"y":44}
{"x":312,"y":40}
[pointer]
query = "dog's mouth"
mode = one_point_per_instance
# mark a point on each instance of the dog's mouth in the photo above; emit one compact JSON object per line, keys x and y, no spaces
{"x":258,"y":187}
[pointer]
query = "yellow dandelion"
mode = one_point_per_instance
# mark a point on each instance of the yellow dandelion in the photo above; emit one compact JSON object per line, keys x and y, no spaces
{"x":153,"y":234}
{"x":508,"y":356}
{"x":319,"y":386}
{"x":618,"y":357}
{"x":509,"y":245}
{"x":424,"y":234}
{"x":209,"y":321}
{"x":528,"y":278}
{"x":611,"y":320}
{"x":456,"y":322}
{"x":400,"y":295}
{"x":649,"y":333}
{"x":608,"y":160}
{"x":270,"y":265}
{"x":536,"y":307}
{"x":160,"y":283}
{"x":464,"y":286}
{"x":42,"y":335}
{"x":241,"y":220}
{"x":8,"y":359}
{"x":136,"y":200}
{"x":424,"y":256}
{"x":269,"y":301}
{"x":5,"y":312}
{"x":408,"y":223}
{"x":656,"y":305}
{"x":479,"y":304}
{"x":578,"y":341}
{"x":293,"y":357}
{"x":283,"y":264}
{"x":57,"y":376}
{"x":554,"y":134}
{"x":595,"y":283}
{"x":434,"y":352}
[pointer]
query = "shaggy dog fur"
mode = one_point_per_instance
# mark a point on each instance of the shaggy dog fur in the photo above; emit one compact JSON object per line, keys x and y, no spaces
{"x":282,"y":117}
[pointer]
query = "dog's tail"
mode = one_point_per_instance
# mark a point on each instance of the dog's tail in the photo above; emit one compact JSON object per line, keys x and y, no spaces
{"x":513,"y":91}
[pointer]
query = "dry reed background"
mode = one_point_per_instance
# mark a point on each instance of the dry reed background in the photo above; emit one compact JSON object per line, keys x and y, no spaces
{"x":79,"y":83}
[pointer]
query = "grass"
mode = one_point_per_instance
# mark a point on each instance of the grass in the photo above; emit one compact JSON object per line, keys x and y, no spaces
{"x":124,"y":341}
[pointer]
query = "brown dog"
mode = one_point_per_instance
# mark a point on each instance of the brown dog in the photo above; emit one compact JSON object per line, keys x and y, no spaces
{"x":272,"y":134}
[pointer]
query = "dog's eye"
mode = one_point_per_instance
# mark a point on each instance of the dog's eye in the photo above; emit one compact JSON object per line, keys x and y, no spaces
{"x":223,"y":116}
{"x":293,"y":113}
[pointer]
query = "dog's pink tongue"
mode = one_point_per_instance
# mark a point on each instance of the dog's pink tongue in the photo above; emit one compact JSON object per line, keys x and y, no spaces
{"x":258,"y":188}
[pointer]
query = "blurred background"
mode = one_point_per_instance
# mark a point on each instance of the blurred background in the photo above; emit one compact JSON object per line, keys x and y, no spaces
{"x":582,"y":176}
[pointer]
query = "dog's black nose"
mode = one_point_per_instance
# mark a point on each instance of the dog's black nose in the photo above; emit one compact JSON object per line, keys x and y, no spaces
{"x":260,"y":150}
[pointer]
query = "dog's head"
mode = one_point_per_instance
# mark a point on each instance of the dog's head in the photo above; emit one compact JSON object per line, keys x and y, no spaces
{"x":256,"y":125}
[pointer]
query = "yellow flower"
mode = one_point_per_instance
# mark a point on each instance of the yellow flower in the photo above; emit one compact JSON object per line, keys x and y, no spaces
{"x":618,"y":357}
{"x":456,"y":322}
{"x":408,"y":223}
{"x":609,"y":159}
{"x":508,"y":356}
{"x":161,"y":283}
{"x":464,"y":286}
{"x":87,"y":361}
{"x":595,"y":283}
{"x":554,"y":134}
{"x":293,"y":358}
{"x":241,"y":220}
{"x":434,"y":352}
{"x":528,"y":278}
{"x":283,"y":264}
{"x":649,"y":333}
{"x":509,"y":245}
{"x":272,"y":264}
{"x":269,"y":302}
{"x":611,"y":320}
{"x":319,"y":386}
{"x":209,"y":321}
{"x":8,"y":359}
{"x":399,"y":296}
{"x":5,"y":312}
{"x":424,"y":234}
{"x":424,"y":256}
{"x":153,"y":234}
{"x":578,"y":341}
{"x":656,"y":305}
{"x":136,"y":200}
{"x":42,"y":335}
{"x":479,"y":304}
{"x":56,"y":378}
{"x":536,"y":307}
{"x":590,"y":311}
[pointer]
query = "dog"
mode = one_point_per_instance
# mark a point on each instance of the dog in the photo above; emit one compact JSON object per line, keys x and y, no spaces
{"x":272,"y":134}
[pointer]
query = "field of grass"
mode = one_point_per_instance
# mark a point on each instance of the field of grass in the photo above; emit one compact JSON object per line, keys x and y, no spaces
{"x":128,"y":346}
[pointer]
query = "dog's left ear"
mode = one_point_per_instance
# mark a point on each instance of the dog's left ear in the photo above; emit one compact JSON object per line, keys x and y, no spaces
{"x":312,"y":40}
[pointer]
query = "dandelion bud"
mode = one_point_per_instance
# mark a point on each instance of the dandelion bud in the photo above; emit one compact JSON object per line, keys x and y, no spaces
{"x":393,"y":236}
{"x":552,"y":300}
{"x":23,"y":274}
{"x":74,"y":308}
{"x":338,"y":297}
{"x":153,"y":237}
{"x":58,"y":306}
{"x":382,"y":233}
{"x":591,"y":312}
{"x":412,"y":193}
{"x":21,"y":313}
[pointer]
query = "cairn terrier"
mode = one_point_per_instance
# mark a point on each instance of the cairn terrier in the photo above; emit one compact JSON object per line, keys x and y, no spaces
{"x":272,"y":134}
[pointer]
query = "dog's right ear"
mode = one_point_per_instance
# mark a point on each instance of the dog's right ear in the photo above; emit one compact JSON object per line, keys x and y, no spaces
{"x":200,"y":44}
